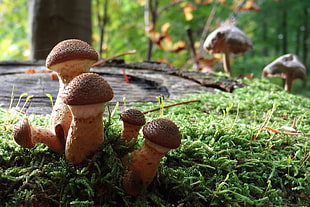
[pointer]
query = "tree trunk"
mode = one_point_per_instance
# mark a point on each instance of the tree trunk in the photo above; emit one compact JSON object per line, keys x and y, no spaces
{"x":284,"y":28}
{"x":51,"y":21}
{"x":305,"y":36}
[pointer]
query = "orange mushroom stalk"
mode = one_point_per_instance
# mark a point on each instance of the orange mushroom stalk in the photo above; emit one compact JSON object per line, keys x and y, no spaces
{"x":86,"y":96}
{"x":27,"y":136}
{"x":161,"y":135}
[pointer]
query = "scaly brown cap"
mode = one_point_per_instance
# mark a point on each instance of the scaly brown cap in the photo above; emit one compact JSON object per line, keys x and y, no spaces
{"x":87,"y":88}
{"x":71,"y":49}
{"x":133,"y":116}
{"x":163,"y":132}
{"x":22,"y":134}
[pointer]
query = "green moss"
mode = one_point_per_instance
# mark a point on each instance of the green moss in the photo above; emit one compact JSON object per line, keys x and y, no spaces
{"x":226,"y":158}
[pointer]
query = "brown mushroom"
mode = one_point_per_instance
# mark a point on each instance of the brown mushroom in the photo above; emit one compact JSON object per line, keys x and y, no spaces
{"x":27,"y":136}
{"x":86,"y":96}
{"x":133,"y":120}
{"x":227,"y":39}
{"x":287,"y":66}
{"x":68,"y":59}
{"x":161,"y":135}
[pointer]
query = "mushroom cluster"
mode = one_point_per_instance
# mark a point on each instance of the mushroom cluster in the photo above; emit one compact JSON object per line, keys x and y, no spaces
{"x":79,"y":104}
{"x":68,"y":59}
{"x":77,"y":119}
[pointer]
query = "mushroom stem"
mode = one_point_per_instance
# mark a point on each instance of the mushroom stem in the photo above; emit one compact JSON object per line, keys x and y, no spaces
{"x":226,"y":63}
{"x":145,"y":160}
{"x":86,"y":132}
{"x":27,"y":136}
{"x":288,"y":83}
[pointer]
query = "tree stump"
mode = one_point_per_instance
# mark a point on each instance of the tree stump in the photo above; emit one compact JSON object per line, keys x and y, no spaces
{"x":146,"y":81}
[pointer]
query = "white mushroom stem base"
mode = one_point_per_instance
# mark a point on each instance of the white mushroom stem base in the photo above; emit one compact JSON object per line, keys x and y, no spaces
{"x":288,"y":83}
{"x":86,"y":132}
{"x":226,"y":62}
{"x":145,"y":160}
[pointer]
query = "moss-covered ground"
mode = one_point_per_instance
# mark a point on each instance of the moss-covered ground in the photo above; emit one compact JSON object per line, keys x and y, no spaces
{"x":232,"y":154}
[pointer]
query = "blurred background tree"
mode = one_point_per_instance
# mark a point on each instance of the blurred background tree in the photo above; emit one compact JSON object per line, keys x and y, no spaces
{"x":157,"y":29}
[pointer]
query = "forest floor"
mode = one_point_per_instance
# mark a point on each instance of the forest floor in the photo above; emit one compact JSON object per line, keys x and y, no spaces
{"x":246,"y":148}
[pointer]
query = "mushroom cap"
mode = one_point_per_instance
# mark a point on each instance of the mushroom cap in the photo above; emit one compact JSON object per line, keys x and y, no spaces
{"x":71,"y":49}
{"x":227,"y":38}
{"x":285,"y":65}
{"x":163,"y":132}
{"x":87,"y":88}
{"x":22,"y":134}
{"x":133,"y":116}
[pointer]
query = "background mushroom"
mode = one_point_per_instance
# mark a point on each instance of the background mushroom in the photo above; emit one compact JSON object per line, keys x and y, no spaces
{"x":133,"y":120}
{"x":161,"y":135}
{"x":287,"y":66}
{"x":86,"y":96}
{"x":27,"y":136}
{"x":68,"y":59}
{"x":227,"y":39}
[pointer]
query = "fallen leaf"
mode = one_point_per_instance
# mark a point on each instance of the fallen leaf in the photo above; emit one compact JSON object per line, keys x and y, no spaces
{"x":29,"y":71}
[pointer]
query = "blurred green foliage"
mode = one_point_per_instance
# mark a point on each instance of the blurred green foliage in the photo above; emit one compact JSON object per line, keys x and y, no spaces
{"x":13,"y":30}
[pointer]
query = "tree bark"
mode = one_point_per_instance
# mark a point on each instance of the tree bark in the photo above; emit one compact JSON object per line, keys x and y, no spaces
{"x":51,"y":21}
{"x":305,"y":36}
{"x":284,"y":29}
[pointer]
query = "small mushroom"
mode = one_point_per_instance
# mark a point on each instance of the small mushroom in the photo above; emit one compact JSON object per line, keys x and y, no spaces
{"x":227,"y":39}
{"x":68,"y":59}
{"x":27,"y":136}
{"x":161,"y":135}
{"x":133,"y":120}
{"x":287,"y":66}
{"x":86,"y":96}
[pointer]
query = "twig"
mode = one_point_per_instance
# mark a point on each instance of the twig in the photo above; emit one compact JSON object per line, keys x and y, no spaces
{"x":113,"y":57}
{"x":192,"y":47}
{"x":175,"y":104}
{"x":206,"y":27}
{"x":287,"y":133}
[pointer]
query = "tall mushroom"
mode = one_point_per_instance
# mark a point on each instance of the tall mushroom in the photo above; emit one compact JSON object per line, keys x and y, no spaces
{"x":133,"y":120}
{"x":68,"y":59}
{"x":161,"y":135}
{"x":227,"y":39}
{"x":287,"y":66}
{"x":27,"y":136}
{"x":86,"y":96}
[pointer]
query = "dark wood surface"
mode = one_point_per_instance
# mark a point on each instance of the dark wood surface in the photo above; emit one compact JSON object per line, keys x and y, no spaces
{"x":146,"y":81}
